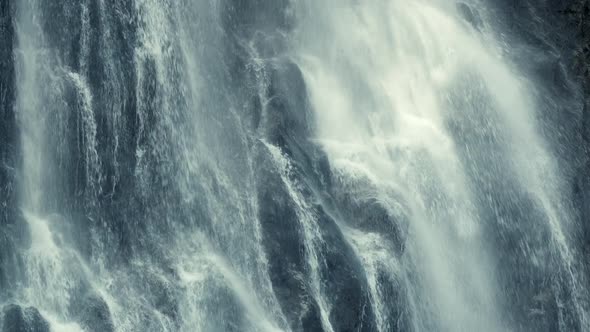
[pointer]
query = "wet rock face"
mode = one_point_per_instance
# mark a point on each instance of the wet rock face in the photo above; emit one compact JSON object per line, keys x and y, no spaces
{"x":7,"y":120}
{"x":574,"y":13}
{"x":470,"y":15}
{"x":17,"y":319}
{"x":528,"y":290}
{"x":287,"y":126}
{"x":13,"y":236}
{"x":340,"y":272}
{"x":12,"y":228}
{"x":285,"y":244}
{"x":561,"y":61}
{"x":345,"y":281}
{"x":288,"y":111}
{"x":92,"y":313}
{"x":369,"y":215}
{"x":8,"y":128}
{"x":249,"y":16}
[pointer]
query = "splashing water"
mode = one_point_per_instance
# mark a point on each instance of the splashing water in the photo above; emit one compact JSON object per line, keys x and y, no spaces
{"x":392,"y":94}
{"x":330,"y":165}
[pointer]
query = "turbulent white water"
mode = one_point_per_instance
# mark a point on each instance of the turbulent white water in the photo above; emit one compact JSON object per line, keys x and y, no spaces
{"x":386,"y":78}
{"x":381,"y":96}
{"x":154,"y":204}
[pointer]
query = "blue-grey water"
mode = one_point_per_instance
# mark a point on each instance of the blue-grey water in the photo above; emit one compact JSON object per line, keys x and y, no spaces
{"x":291,"y":165}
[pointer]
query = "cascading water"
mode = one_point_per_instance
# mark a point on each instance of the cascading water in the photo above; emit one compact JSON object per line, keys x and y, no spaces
{"x":395,"y":99}
{"x":257,"y":165}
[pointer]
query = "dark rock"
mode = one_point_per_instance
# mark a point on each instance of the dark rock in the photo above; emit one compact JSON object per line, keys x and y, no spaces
{"x":470,"y":15}
{"x":14,"y":237}
{"x":369,"y":215}
{"x":15,"y":319}
{"x":396,"y":302}
{"x":162,"y":294}
{"x":527,"y":269}
{"x":288,"y":111}
{"x":92,"y":313}
{"x":246,"y":17}
{"x":344,"y":280}
{"x":285,"y":248}
{"x":9,"y":155}
{"x":226,"y":313}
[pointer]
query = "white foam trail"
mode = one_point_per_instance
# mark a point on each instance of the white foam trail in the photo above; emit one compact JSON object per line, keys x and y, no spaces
{"x":30,"y":57}
{"x":201,"y":272}
{"x":55,"y":325}
{"x":88,"y":127}
{"x":168,"y":56}
{"x":376,"y":257}
{"x":53,"y":271}
{"x":312,"y":235}
{"x":44,"y":261}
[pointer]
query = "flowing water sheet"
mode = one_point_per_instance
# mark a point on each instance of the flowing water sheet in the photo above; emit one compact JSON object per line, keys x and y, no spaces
{"x":288,"y":165}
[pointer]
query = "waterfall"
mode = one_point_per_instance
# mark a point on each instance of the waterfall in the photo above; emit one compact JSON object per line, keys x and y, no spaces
{"x":258,"y":165}
{"x":396,"y":96}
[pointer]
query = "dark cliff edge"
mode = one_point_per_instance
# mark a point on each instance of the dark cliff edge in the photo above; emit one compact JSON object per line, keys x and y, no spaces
{"x":555,"y":52}
{"x":577,"y":15}
{"x":11,"y":229}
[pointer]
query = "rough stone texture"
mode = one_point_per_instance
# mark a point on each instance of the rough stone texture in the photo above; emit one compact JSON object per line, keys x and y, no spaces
{"x":17,"y":319}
